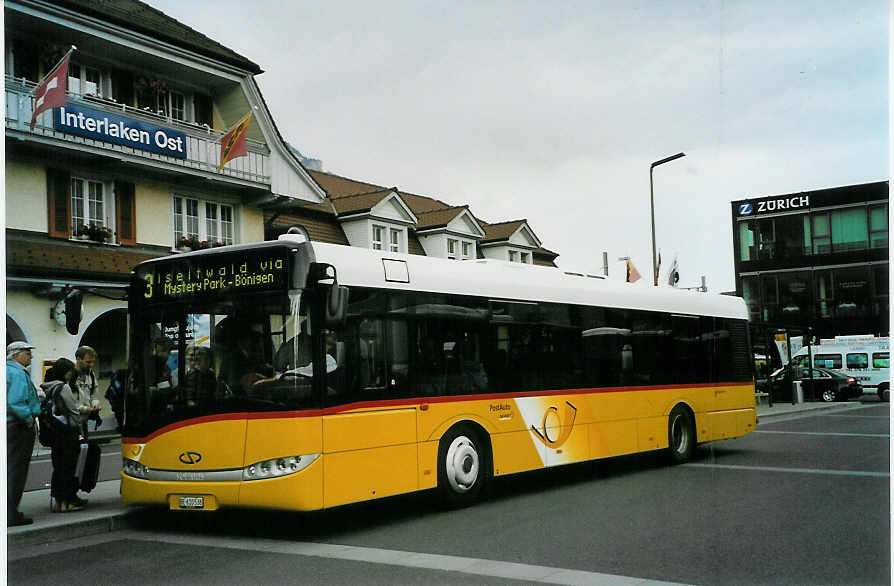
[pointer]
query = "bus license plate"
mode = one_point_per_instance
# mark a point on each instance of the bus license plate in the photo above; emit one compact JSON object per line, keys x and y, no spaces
{"x":192,"y":502}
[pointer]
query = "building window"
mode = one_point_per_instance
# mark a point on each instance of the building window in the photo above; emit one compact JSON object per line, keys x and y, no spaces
{"x":878,"y":226}
{"x":524,"y":258}
{"x":849,"y":229}
{"x":394,"y":240}
{"x":206,"y":221}
{"x":378,"y":237}
{"x":154,"y":96}
{"x":178,"y":106}
{"x":513,"y":256}
{"x":84,"y":81}
{"x":451,"y":248}
{"x":822,"y":239}
{"x":746,"y":241}
{"x":467,"y":249}
{"x":91,"y":204}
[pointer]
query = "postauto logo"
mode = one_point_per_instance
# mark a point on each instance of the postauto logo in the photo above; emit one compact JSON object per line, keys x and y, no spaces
{"x":745,"y":209}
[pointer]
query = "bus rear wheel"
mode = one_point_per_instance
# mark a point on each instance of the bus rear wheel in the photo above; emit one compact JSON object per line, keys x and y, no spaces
{"x":462,"y":467}
{"x":884,"y":393}
{"x":680,"y":435}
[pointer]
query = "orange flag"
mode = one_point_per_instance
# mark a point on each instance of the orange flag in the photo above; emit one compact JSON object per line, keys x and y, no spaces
{"x":632,"y":274}
{"x":232,"y":145}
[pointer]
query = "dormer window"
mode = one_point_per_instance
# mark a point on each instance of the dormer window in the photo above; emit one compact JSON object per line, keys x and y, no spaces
{"x":394,"y":240}
{"x":451,"y":248}
{"x":378,"y":236}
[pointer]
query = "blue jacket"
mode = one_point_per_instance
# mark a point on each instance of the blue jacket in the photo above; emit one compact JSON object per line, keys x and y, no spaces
{"x":21,"y":397}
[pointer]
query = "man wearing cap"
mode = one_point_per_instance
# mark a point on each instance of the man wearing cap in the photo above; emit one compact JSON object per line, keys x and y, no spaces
{"x":22,"y":406}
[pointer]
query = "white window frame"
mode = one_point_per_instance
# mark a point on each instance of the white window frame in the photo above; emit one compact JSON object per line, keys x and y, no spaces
{"x":468,"y":249}
{"x":378,"y":237}
{"x":206,"y":226}
{"x":78,"y":84}
{"x":394,"y":239}
{"x":513,"y":256}
{"x":451,"y":248}
{"x":525,"y":257}
{"x":84,"y":216}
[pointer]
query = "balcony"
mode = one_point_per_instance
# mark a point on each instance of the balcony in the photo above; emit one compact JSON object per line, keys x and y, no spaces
{"x":202,"y":143}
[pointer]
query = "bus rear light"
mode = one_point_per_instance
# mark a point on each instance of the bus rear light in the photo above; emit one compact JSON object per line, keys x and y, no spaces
{"x":277,"y":467}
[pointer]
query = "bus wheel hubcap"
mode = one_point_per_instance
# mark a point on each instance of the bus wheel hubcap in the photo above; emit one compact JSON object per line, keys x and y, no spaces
{"x":681,"y":438}
{"x":462,"y":464}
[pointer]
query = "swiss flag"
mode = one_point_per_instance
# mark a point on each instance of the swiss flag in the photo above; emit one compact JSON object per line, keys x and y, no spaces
{"x":51,"y":93}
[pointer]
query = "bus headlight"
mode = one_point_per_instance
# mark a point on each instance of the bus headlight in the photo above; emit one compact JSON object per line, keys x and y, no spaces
{"x":278,"y":467}
{"x":135,"y":469}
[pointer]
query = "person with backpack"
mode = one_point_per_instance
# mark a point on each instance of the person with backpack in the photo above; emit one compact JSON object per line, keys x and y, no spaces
{"x":67,"y":447}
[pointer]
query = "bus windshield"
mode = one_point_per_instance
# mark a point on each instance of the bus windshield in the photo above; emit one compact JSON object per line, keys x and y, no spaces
{"x":248,"y":353}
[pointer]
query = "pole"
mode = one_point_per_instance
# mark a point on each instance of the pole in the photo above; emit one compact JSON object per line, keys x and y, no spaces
{"x":605,"y":263}
{"x":652,"y":209}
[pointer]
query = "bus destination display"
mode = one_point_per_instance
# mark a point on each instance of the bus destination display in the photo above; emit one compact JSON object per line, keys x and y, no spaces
{"x":211,"y":274}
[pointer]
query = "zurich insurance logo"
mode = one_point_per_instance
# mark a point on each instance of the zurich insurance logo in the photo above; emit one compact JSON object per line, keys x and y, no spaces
{"x":745,"y":209}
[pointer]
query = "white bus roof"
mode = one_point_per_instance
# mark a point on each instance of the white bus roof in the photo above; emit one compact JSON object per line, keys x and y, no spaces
{"x":513,"y":281}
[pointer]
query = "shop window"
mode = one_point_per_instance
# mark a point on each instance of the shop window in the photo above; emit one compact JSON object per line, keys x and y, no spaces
{"x":857,"y":360}
{"x":878,"y":226}
{"x":822,"y":236}
{"x":825,"y":301}
{"x":849,"y":229}
{"x":207,"y":223}
{"x":795,"y":297}
{"x":852,"y":292}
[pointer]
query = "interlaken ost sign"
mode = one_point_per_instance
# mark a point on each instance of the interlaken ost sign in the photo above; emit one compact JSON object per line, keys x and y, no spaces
{"x":97,"y":125}
{"x":773,"y":204}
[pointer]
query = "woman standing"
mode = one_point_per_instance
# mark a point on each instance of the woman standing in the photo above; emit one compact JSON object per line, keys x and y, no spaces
{"x":64,"y":488}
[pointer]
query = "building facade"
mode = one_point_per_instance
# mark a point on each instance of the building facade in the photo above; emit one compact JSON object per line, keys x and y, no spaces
{"x":127,"y":170}
{"x":816,"y":259}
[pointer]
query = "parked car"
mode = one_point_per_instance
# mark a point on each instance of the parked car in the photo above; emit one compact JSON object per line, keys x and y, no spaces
{"x":816,"y":383}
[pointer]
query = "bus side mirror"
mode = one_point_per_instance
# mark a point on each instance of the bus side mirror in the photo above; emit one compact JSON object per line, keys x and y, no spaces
{"x":336,"y":310}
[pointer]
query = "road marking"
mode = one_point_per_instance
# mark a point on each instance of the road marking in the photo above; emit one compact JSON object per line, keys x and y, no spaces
{"x":408,"y":559}
{"x":837,"y":433}
{"x":857,"y":416}
{"x":793,"y":470}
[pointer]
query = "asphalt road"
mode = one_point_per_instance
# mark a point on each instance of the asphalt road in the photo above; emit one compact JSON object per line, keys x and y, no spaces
{"x":804,"y":500}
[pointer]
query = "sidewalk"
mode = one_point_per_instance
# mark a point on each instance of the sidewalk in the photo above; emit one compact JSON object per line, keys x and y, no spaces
{"x":106,"y":512}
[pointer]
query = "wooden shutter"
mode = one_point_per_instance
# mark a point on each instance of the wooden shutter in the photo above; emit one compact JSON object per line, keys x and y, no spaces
{"x":124,"y":204}
{"x":59,"y":203}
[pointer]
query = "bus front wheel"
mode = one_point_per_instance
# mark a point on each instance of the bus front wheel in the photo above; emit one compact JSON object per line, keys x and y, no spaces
{"x":680,"y":435}
{"x":462,"y":467}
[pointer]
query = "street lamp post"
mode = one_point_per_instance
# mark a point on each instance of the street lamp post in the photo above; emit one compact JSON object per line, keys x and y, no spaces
{"x":652,"y":202}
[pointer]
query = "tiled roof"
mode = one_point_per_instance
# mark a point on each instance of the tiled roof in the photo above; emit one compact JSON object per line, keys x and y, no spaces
{"x":501,"y":231}
{"x":320,"y":228}
{"x":361,"y":202}
{"x":41,"y":257}
{"x":438,"y":218}
{"x":337,"y":186}
{"x":140,"y":17}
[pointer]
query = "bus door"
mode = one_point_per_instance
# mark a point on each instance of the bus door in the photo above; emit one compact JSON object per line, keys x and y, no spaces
{"x":369,"y":437}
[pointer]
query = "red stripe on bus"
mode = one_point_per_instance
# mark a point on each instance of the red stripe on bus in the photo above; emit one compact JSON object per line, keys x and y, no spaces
{"x":412,"y":401}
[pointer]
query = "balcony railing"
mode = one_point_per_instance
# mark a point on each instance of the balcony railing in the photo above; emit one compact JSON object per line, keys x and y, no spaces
{"x":202,"y":142}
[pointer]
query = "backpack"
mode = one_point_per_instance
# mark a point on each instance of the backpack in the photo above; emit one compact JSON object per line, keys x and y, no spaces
{"x":49,"y":427}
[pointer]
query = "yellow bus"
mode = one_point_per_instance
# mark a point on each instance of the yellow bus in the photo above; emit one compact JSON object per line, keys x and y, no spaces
{"x":297,"y":375}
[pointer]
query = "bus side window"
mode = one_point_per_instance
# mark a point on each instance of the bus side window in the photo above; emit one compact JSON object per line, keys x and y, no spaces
{"x":827,"y":360}
{"x":880,"y":360}
{"x":800,"y":361}
{"x":858,"y":360}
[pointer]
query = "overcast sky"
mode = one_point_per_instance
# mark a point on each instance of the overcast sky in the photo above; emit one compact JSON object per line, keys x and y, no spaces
{"x":553,"y":111}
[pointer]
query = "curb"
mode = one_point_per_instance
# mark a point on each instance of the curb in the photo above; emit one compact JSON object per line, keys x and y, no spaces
{"x":820,"y":407}
{"x":68,"y":531}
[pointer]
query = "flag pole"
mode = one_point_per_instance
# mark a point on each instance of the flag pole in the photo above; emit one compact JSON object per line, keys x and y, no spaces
{"x":55,"y":67}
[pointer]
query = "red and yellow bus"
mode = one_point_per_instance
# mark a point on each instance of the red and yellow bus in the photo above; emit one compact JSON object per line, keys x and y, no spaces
{"x":298,"y":375}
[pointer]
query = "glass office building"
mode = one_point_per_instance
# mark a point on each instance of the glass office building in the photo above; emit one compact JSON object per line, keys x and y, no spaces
{"x":816,"y":259}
